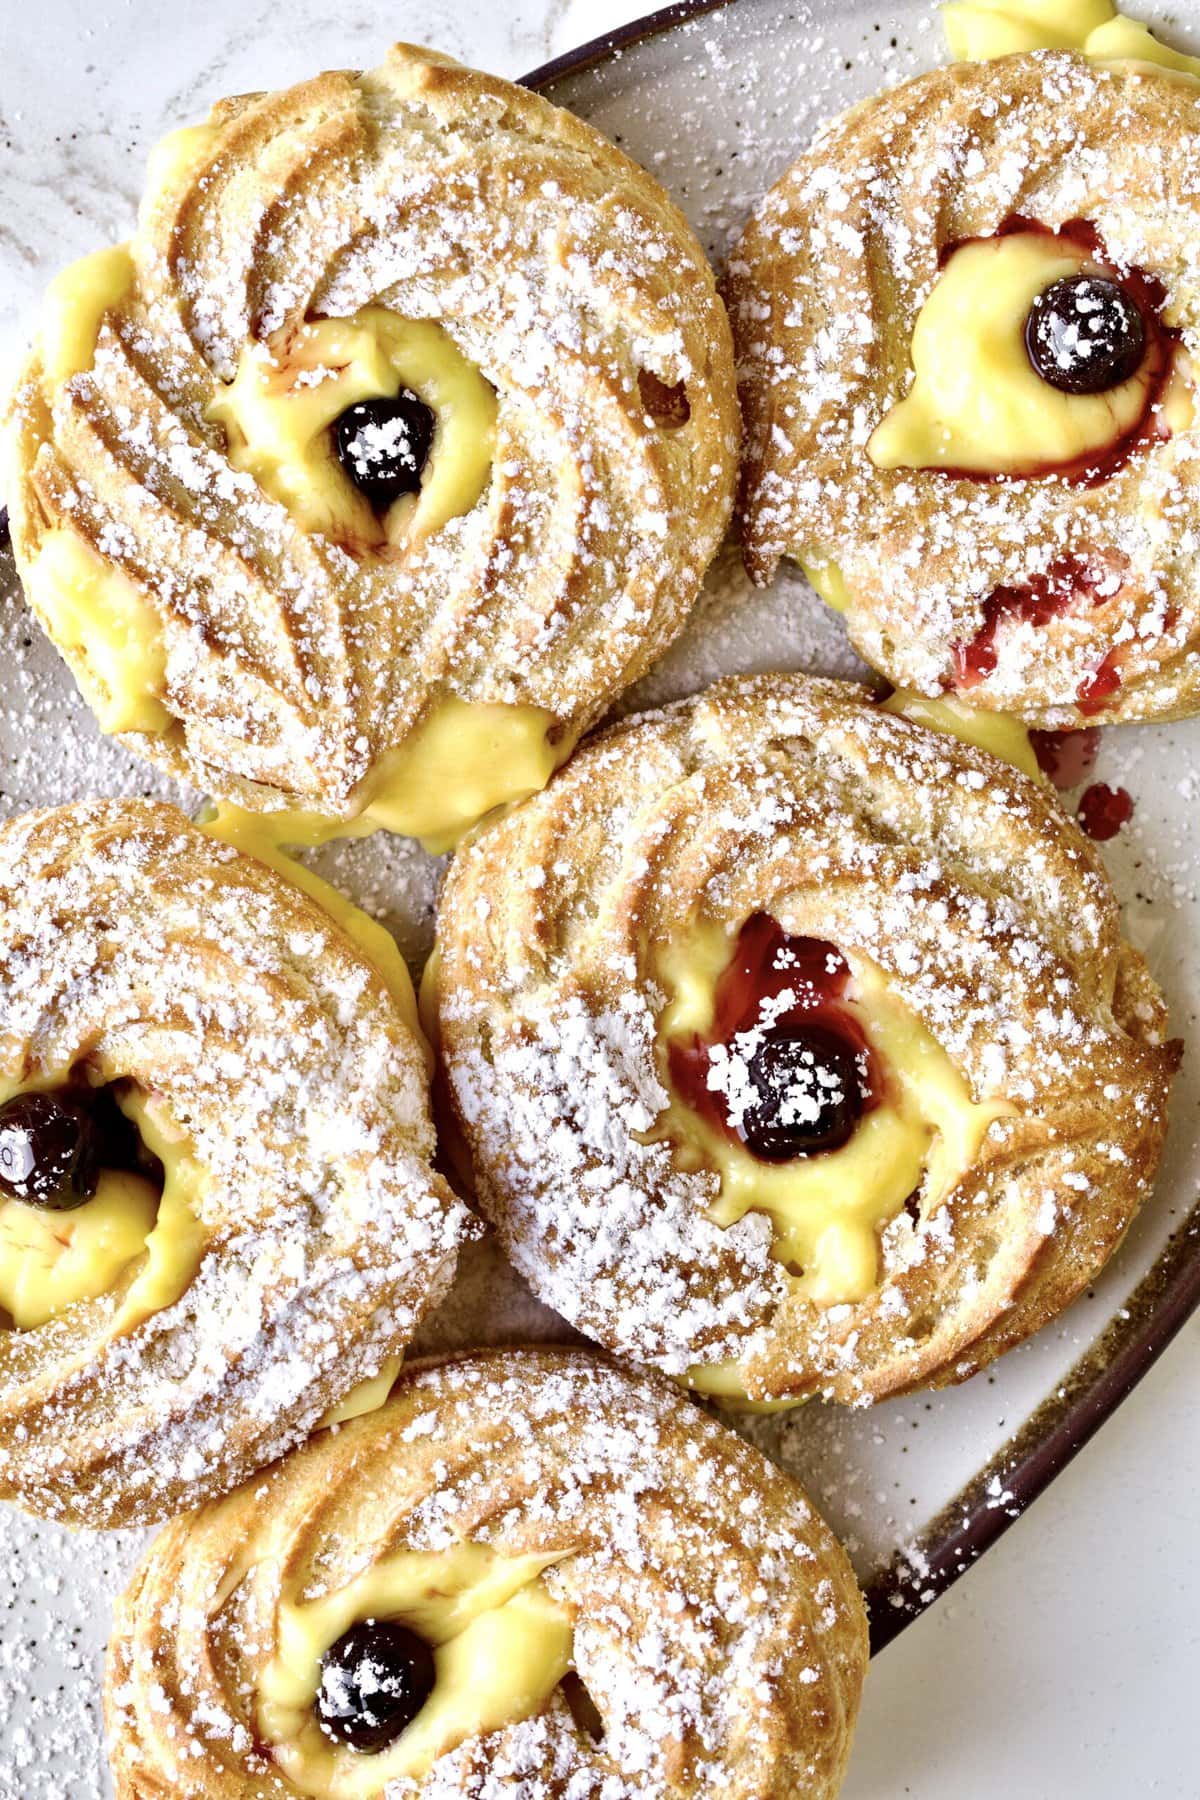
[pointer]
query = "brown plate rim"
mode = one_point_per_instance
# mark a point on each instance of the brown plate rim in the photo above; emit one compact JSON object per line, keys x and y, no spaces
{"x":1162,"y":1303}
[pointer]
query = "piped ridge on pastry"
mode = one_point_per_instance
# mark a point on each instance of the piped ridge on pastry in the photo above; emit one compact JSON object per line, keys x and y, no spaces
{"x":622,"y":1600}
{"x":410,"y":393}
{"x":674,"y":1152}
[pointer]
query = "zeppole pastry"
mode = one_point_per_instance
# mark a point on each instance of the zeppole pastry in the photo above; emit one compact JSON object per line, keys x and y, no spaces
{"x":531,"y":1575}
{"x":818,"y":1064}
{"x":965,"y":322}
{"x":218,"y":1218}
{"x":389,"y":450}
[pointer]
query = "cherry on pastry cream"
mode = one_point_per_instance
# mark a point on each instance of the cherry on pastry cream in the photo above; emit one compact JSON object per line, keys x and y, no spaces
{"x":49,"y":1151}
{"x":786,"y":1069}
{"x":809,"y":1086}
{"x":374,"y":1681}
{"x":54,"y":1144}
{"x":1085,"y":334}
{"x":383,"y":445}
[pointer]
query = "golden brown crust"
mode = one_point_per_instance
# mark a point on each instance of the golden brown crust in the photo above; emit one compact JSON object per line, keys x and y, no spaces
{"x":559,"y":267}
{"x":992,"y":920}
{"x":133,"y":943}
{"x":718,"y":1626}
{"x":824,"y":288}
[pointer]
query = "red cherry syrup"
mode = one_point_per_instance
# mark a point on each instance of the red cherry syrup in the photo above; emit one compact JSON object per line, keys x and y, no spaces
{"x":768,"y":962}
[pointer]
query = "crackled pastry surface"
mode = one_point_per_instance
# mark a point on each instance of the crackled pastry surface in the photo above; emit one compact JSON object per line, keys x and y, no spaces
{"x":300,"y":1234}
{"x":421,"y":238}
{"x":682,"y":1586}
{"x":984,"y":530}
{"x":937,"y":915}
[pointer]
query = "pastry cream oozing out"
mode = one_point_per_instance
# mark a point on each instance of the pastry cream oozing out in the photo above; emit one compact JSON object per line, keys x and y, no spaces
{"x":75,"y":305}
{"x":50,"y":1260}
{"x":463,"y":760}
{"x":176,"y":158}
{"x":976,"y":402}
{"x":828,"y":1209}
{"x":367,"y":1397}
{"x":278,"y":410}
{"x":501,"y":1645}
{"x":996,"y":732}
{"x":979,"y":30}
{"x":108,"y":632}
{"x":824,"y":575}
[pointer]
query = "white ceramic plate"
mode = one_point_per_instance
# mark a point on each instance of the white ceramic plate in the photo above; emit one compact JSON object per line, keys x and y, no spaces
{"x":715,"y":99}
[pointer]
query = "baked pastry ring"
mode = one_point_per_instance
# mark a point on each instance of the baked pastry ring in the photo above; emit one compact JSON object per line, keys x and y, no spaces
{"x":279,"y":1079}
{"x":818,"y":1065}
{"x":626,"y":1599}
{"x":987,"y":524}
{"x":515,"y":329}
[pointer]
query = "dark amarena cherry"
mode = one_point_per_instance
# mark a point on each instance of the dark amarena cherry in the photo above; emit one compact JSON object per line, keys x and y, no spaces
{"x":49,"y":1150}
{"x":812,"y":1071}
{"x":374,"y":1681}
{"x":810,"y":1087}
{"x":383,"y":445}
{"x":1085,"y":334}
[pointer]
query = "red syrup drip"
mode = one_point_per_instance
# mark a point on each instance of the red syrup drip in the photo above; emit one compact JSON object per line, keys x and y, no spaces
{"x":1074,"y":583}
{"x":1071,"y":584}
{"x":1103,"y":810}
{"x":1066,"y":757}
{"x":766,"y":961}
{"x":1094,"y":694}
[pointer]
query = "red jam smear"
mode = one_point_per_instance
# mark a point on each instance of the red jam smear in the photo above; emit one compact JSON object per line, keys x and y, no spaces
{"x":766,"y":962}
{"x":1162,"y":340}
{"x":1094,"y":694}
{"x":1066,"y":757}
{"x":1103,"y":810}
{"x":1072,"y":584}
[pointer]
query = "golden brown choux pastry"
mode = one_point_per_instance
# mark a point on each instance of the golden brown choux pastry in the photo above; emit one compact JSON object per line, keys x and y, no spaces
{"x":795,"y":1047}
{"x":530,"y":1573}
{"x":391,"y":448}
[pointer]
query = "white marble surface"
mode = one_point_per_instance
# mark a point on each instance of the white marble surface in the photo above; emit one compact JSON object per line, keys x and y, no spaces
{"x":1067,"y":1663}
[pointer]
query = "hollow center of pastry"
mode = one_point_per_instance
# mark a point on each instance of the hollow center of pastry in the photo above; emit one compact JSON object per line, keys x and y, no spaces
{"x":1034,"y":355}
{"x":813,"y":1092}
{"x":93,"y":1180}
{"x":373,"y":1681}
{"x":373,"y":431}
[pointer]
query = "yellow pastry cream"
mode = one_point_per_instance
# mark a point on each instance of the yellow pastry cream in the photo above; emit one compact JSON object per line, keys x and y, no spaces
{"x":869,"y":1116}
{"x":977,"y":404}
{"x":464,"y":757}
{"x":50,"y":1259}
{"x":75,"y":305}
{"x":979,"y":30}
{"x":501,"y":1643}
{"x":279,"y":410}
{"x":464,"y":760}
{"x":998,"y":733}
